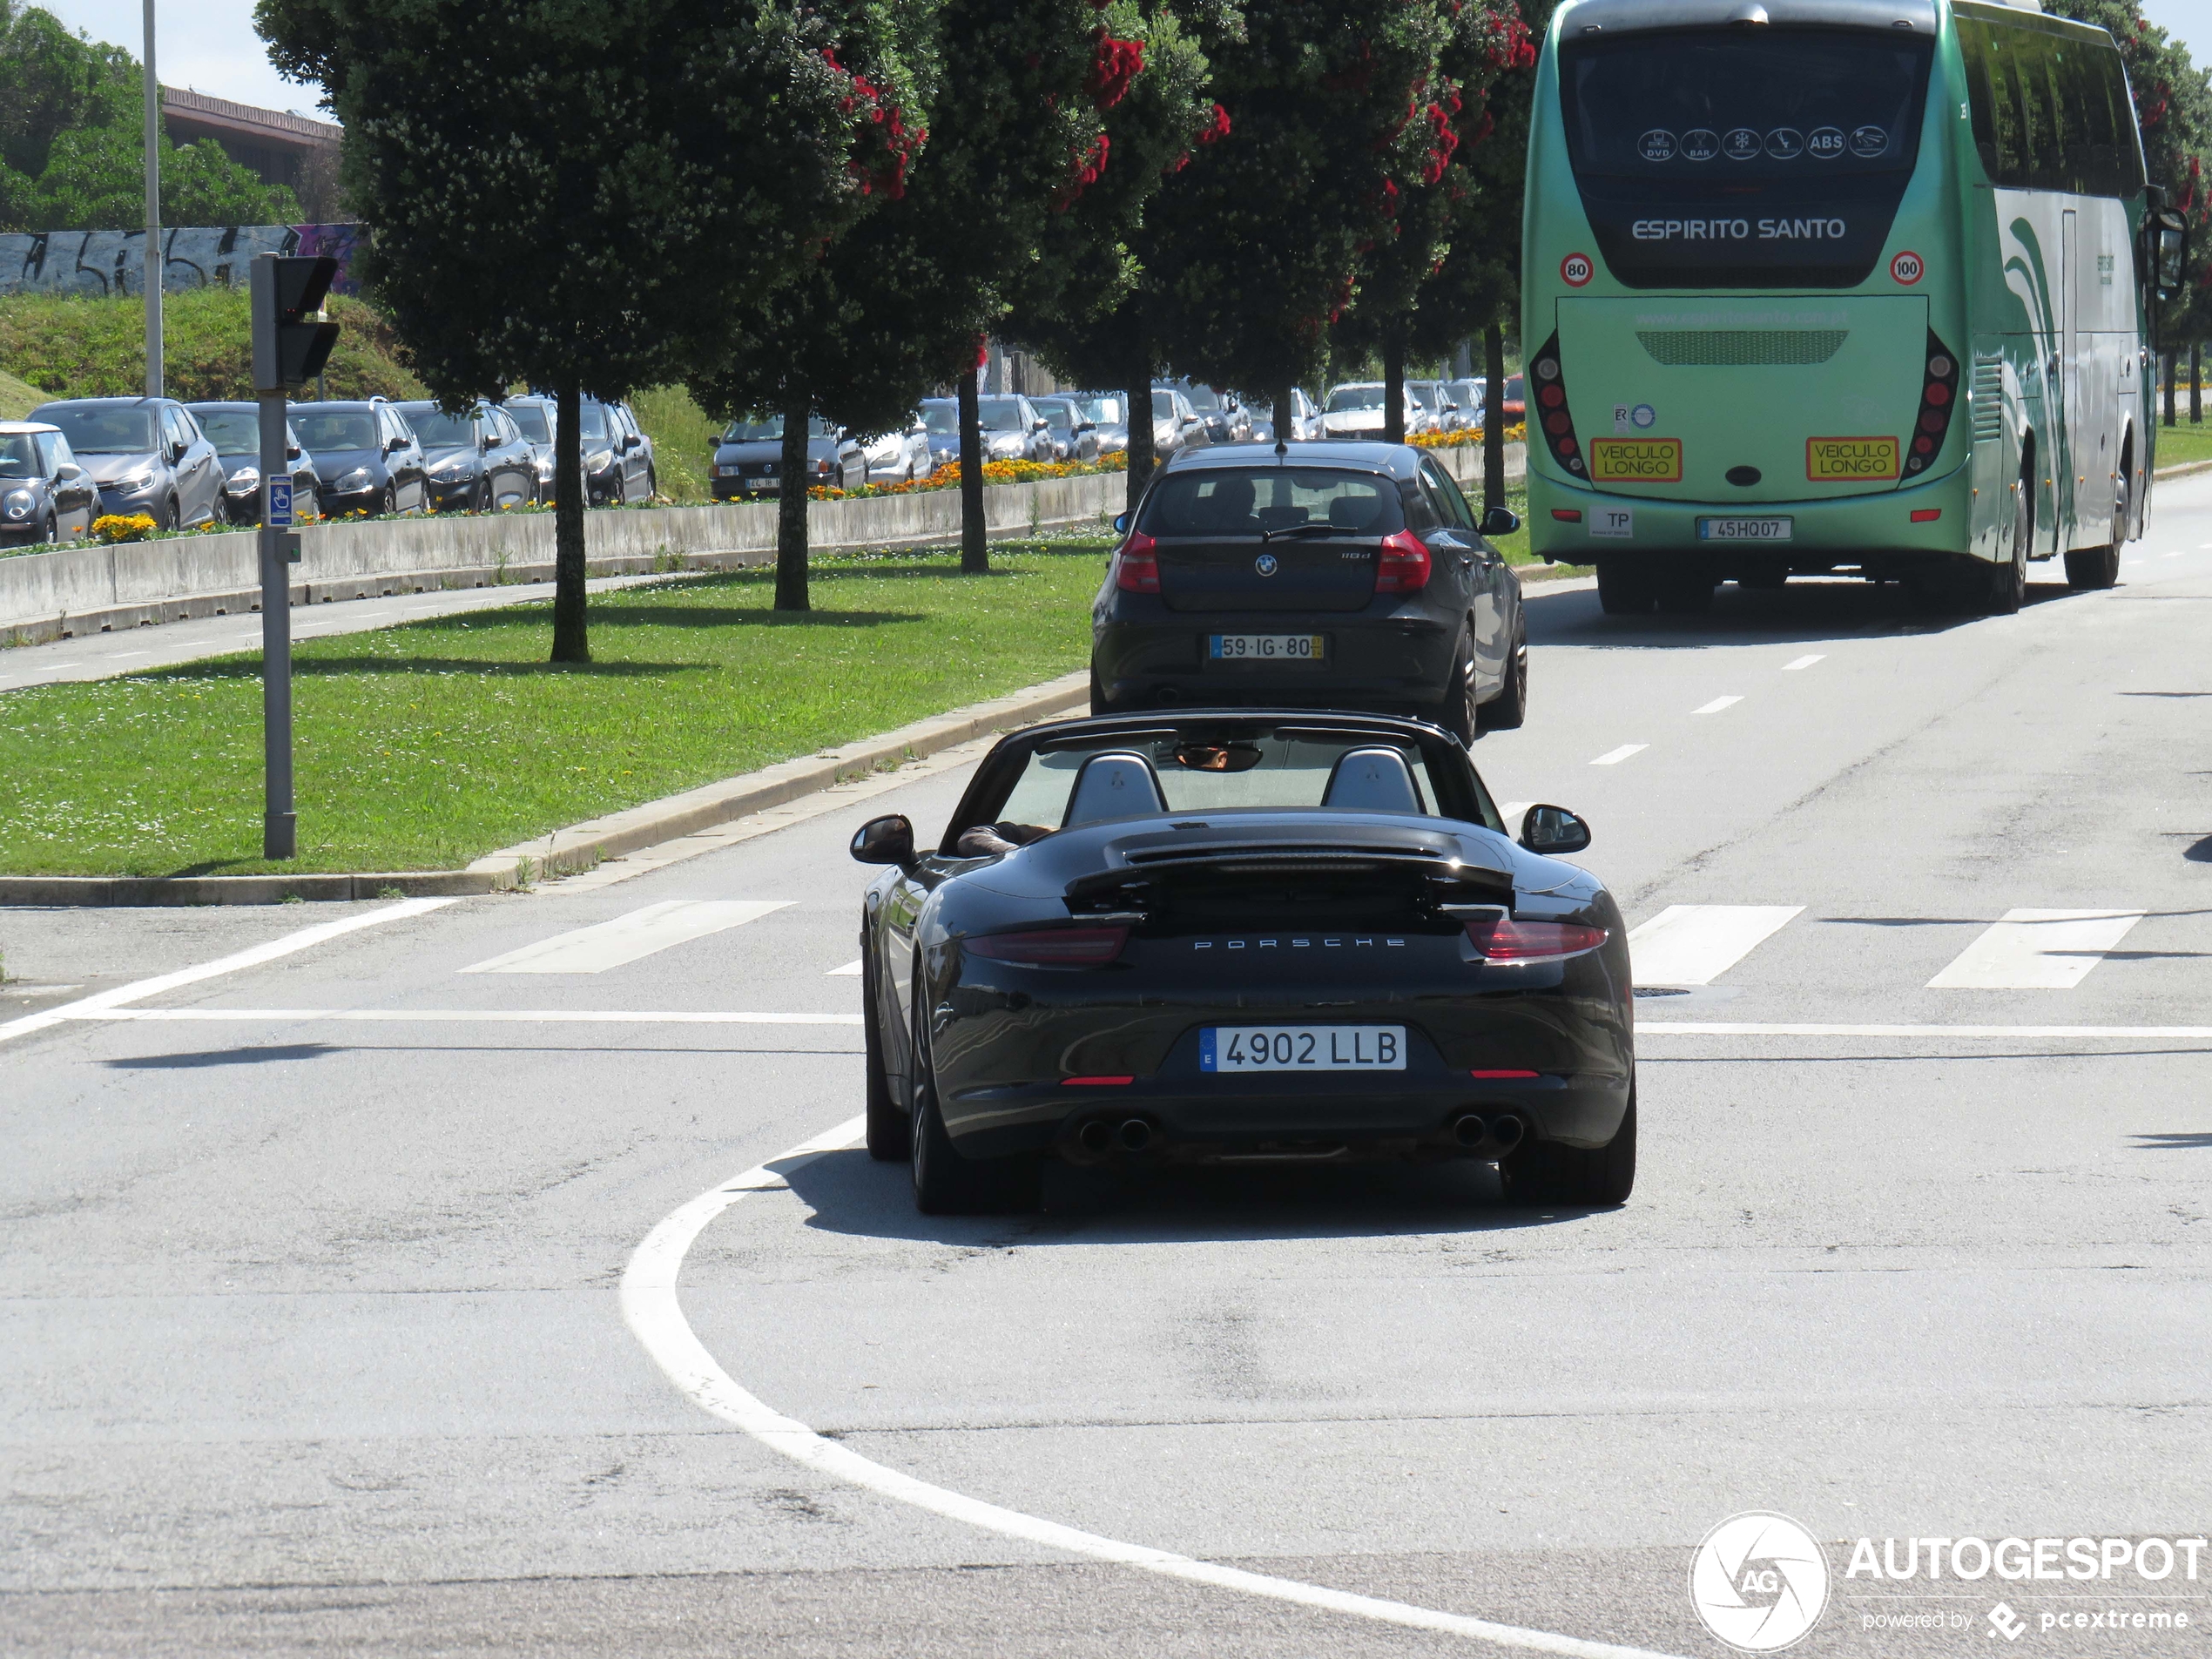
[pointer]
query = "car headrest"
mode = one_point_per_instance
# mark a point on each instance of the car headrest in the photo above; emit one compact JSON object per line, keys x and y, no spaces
{"x":1374,"y":780}
{"x":1115,"y":785}
{"x":1355,"y":512}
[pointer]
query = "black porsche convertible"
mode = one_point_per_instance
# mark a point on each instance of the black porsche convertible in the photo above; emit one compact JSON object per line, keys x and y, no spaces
{"x":1242,"y":937}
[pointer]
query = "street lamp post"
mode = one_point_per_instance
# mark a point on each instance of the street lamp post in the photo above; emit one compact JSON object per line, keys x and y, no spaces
{"x":154,"y":261}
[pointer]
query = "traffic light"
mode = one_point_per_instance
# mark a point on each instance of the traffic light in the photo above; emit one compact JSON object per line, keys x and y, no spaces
{"x":289,"y":345}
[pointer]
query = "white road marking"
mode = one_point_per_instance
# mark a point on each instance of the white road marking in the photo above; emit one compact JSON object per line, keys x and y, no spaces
{"x":108,"y":1004}
{"x":656,"y":1317}
{"x":2037,"y":950}
{"x":1615,"y":757}
{"x":851,"y":969}
{"x":1694,"y":944}
{"x":126,"y":656}
{"x":1717,"y":705}
{"x":1800,"y":1029}
{"x":462,"y":1017}
{"x":1803,"y":661}
{"x":626,"y":939}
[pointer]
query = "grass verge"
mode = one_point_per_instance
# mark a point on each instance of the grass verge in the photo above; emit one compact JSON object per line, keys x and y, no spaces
{"x":424,"y":747}
{"x":2181,"y":443}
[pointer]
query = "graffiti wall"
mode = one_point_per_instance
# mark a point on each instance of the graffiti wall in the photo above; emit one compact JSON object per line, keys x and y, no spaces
{"x":194,"y":256}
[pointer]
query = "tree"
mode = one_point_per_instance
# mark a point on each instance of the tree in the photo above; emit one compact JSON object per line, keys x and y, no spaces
{"x":1410,"y":297}
{"x":581,"y":194}
{"x":72,"y":142}
{"x":1080,"y":305}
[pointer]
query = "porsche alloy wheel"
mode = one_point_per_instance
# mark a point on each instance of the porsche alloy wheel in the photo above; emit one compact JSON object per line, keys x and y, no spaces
{"x":945,"y":1182}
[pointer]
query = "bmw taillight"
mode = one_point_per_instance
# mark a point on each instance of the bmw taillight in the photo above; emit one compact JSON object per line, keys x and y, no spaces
{"x":1401,"y":563}
{"x":1052,"y":946}
{"x":1504,"y":940}
{"x":1136,"y":567}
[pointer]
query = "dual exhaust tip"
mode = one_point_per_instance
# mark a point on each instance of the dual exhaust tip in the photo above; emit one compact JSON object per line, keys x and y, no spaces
{"x":1499,"y":1134}
{"x":1132,"y":1135}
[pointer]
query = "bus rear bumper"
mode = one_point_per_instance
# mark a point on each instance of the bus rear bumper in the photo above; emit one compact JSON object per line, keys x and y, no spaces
{"x":1892,"y":534}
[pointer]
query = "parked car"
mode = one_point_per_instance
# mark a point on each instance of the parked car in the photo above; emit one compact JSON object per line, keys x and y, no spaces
{"x":1334,"y":575}
{"x":617,"y":456}
{"x":1013,"y":430}
{"x":1073,"y":433}
{"x":749,"y":458}
{"x":45,"y":494}
{"x":477,"y":460}
{"x":1225,"y":418}
{"x":1469,"y":395}
{"x":1439,"y":408}
{"x":1176,"y":424}
{"x":1512,"y":403}
{"x":1304,"y":422}
{"x":903,"y":452}
{"x":1355,"y":410}
{"x":235,"y":430}
{"x":1108,"y":413}
{"x":146,"y":454}
{"x":366,"y":456}
{"x":537,"y":416}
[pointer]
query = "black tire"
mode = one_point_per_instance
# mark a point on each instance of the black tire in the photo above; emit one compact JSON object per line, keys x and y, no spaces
{"x":1545,"y":1172}
{"x":50,"y":532}
{"x":890,"y":1129}
{"x":1100,"y":703}
{"x":1459,"y":714}
{"x":945,"y":1182}
{"x":2098,"y":567}
{"x":618,"y":494}
{"x":652,"y":483}
{"x":480,"y":499}
{"x":1507,"y":711}
{"x":1624,"y":591}
{"x":166,"y":518}
{"x":2004,"y":588}
{"x":390,"y":505}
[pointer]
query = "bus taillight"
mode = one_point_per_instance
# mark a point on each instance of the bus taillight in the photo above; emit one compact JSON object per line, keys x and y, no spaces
{"x":1547,"y":407}
{"x":1939,"y":395}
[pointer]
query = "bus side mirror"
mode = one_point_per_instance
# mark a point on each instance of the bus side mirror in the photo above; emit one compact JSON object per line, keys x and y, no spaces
{"x":2169,"y":252}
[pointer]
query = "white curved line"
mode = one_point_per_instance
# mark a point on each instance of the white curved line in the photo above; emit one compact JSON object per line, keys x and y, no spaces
{"x":650,"y":1307}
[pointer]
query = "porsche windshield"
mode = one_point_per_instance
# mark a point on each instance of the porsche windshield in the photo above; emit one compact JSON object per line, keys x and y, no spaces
{"x":1245,"y":500}
{"x":1219,"y":773}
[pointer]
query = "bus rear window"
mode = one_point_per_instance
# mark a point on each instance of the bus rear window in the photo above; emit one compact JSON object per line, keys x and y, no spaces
{"x":1725,"y":159}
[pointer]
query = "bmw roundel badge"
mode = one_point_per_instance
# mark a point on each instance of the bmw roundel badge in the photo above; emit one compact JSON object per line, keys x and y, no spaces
{"x":1264,"y":564}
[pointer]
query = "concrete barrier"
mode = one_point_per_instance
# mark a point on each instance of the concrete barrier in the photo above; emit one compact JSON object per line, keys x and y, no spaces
{"x":83,"y":590}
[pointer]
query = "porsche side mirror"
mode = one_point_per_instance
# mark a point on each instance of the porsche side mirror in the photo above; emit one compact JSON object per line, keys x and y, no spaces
{"x":1551,"y":831}
{"x":1500,"y":520}
{"x":885,"y":840}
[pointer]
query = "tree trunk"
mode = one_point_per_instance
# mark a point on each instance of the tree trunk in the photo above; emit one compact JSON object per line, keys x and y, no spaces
{"x":571,"y":637}
{"x":974,"y":544}
{"x":2173,"y":363}
{"x":1285,"y":408}
{"x":1141,"y":459}
{"x":2196,"y":382}
{"x":1493,"y":418}
{"x":794,"y":477}
{"x":1393,"y":389}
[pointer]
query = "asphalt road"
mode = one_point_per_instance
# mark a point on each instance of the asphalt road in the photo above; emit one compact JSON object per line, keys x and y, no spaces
{"x":335,"y":1333}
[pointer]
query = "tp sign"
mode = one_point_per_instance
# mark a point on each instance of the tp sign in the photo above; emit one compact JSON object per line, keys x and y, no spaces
{"x":279,"y":512}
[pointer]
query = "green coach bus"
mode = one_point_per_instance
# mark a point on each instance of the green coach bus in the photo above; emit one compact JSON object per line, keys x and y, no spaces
{"x":1837,"y":286}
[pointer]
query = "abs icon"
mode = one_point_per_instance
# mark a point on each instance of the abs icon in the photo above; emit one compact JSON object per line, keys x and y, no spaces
{"x":1759,"y":1582}
{"x":1576,"y":269}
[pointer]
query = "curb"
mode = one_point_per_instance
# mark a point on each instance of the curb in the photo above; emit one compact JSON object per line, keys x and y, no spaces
{"x":581,"y":845}
{"x":2181,"y":469}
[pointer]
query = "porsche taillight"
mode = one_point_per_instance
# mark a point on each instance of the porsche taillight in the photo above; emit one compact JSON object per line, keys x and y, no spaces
{"x":1401,"y":563}
{"x":1052,"y":946}
{"x":1504,"y":940}
{"x":1136,"y":566}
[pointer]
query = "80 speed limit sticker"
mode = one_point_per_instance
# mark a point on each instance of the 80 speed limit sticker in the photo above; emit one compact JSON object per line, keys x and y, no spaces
{"x":1576,"y":269}
{"x":1907,"y":268}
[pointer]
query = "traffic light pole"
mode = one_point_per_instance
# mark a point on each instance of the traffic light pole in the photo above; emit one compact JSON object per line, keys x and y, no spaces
{"x":279,"y":826}
{"x":289,"y":347}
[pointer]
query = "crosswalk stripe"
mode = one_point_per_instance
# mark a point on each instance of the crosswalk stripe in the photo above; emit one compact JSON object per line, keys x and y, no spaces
{"x":2036,"y":950}
{"x":1694,"y":944}
{"x":851,"y":970}
{"x":1803,"y":663}
{"x":1615,"y":757}
{"x":1717,"y":705}
{"x":626,"y":939}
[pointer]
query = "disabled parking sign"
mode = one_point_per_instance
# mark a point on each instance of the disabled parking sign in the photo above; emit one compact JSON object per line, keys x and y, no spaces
{"x":280,"y":507}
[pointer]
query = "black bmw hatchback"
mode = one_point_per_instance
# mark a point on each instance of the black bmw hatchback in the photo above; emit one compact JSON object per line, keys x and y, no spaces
{"x":1315,"y":576}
